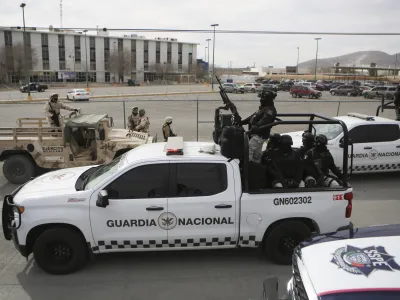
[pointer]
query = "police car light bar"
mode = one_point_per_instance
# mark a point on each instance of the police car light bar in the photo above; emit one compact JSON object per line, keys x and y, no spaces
{"x":174,"y":145}
{"x":361,"y":116}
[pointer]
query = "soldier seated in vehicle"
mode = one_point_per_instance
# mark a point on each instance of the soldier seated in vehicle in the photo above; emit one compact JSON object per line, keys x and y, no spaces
{"x":285,"y":166}
{"x":309,"y":174}
{"x":319,"y":161}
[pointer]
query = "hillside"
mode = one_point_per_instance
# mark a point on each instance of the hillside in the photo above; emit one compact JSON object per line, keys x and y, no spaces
{"x":357,"y":58}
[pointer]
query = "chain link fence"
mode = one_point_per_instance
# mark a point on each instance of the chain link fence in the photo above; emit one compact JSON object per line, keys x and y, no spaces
{"x":193,"y":115}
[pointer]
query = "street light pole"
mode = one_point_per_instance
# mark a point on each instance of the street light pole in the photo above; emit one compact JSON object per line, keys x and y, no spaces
{"x":115,"y":57}
{"x":316,"y":59}
{"x":395,"y":66}
{"x":213,"y":68}
{"x":27,"y":80}
{"x":87,"y":79}
{"x":298,"y":55}
{"x":73,"y":59}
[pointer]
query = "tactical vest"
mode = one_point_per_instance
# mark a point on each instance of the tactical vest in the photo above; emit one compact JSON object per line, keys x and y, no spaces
{"x":170,"y":131}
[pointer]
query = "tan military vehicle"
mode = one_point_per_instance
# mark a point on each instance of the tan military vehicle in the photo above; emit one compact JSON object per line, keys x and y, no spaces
{"x":83,"y":140}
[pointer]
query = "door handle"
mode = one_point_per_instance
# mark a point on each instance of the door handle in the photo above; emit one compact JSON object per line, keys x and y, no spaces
{"x":367,"y":147}
{"x":155,"y":208}
{"x":398,"y":146}
{"x":223,"y":206}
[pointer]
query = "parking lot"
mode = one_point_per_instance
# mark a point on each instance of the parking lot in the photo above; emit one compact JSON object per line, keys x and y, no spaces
{"x":227,"y":274}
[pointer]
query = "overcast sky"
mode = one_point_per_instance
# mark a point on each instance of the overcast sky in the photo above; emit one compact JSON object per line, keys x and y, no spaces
{"x":242,"y":50}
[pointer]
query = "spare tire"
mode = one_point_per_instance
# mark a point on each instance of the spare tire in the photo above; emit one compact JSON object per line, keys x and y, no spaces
{"x":18,"y":169}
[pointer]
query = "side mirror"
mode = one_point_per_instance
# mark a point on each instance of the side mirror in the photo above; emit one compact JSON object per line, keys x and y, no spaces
{"x":102,"y":199}
{"x":111,"y":122}
{"x":102,"y":134}
{"x":341,"y":144}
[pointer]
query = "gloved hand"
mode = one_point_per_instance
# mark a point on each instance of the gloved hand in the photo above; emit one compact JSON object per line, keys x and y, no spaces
{"x":254,"y":129}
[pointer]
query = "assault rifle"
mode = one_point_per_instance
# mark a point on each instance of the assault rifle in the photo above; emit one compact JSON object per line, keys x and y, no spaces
{"x":228,"y":103}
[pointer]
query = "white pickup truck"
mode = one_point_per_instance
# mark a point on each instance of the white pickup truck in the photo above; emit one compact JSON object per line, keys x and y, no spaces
{"x":164,"y":196}
{"x":376,"y":142}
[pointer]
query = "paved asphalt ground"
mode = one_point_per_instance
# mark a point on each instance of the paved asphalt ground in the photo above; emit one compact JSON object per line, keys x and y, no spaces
{"x":233,"y":274}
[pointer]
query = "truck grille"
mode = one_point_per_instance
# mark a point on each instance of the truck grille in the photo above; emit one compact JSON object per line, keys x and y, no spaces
{"x":298,"y":288}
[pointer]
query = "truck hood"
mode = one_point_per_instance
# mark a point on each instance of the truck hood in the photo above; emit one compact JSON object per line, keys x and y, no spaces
{"x":363,"y":263}
{"x":51,"y":184}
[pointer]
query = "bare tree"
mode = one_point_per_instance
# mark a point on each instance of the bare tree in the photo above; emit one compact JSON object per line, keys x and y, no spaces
{"x":120,"y":63}
{"x":19,"y":59}
{"x":162,"y":70}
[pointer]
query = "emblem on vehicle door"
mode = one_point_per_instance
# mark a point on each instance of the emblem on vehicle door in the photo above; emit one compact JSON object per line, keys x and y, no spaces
{"x":167,"y":221}
{"x":373,"y":154}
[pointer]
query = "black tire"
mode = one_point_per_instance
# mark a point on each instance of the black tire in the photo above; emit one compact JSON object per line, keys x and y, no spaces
{"x":310,"y":96}
{"x":294,"y":95}
{"x":18,"y":169}
{"x":276,"y":243}
{"x":48,"y":245}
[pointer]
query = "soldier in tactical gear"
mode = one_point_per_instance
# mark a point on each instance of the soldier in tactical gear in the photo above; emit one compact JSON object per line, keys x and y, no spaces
{"x":133,"y":119}
{"x":396,"y":103}
{"x":320,"y":159}
{"x":166,"y":129}
{"x":286,"y":166}
{"x":53,"y":108}
{"x":308,"y":143}
{"x":265,"y":115}
{"x":144,"y":122}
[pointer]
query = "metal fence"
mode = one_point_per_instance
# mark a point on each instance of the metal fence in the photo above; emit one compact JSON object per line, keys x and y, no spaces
{"x":193,"y":118}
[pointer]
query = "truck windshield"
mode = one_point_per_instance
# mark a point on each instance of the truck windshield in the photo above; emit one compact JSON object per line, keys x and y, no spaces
{"x":331,"y":131}
{"x":367,"y":295}
{"x":102,"y":173}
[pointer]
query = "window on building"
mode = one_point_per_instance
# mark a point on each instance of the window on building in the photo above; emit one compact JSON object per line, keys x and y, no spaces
{"x":46,"y":65}
{"x":106,"y":43}
{"x":120,"y":45}
{"x":93,"y":65}
{"x":92,"y":42}
{"x":77,"y":54}
{"x":150,"y":181}
{"x":146,"y":66}
{"x":146,"y":57}
{"x":107,"y":77}
{"x":133,"y":54}
{"x":77,"y":41}
{"x":62,"y":65}
{"x":179,"y":53}
{"x":45,"y":39}
{"x":8,"y":38}
{"x":61,"y":40}
{"x":200,"y":179}
{"x":92,"y":54}
{"x":190,"y":58}
{"x":169,"y":52}
{"x":158,"y":46}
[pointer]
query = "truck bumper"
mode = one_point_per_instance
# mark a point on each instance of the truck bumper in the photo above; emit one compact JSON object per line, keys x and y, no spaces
{"x":22,"y":249}
{"x":350,"y":226}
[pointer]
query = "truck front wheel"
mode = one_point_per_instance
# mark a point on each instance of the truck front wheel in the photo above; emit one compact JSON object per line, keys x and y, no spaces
{"x":283,"y":238}
{"x":60,"y":251}
{"x":18,"y":169}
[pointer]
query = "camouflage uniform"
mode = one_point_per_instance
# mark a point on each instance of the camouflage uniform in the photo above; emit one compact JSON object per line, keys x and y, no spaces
{"x":55,"y":107}
{"x":133,"y":119}
{"x":144,"y":122}
{"x":166,"y":129}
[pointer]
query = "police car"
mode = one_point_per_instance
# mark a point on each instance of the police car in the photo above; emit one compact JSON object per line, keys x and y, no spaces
{"x":376,"y":142}
{"x":353,"y":264}
{"x":163,"y":196}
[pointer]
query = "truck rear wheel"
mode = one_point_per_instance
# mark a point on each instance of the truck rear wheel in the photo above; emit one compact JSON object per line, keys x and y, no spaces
{"x":18,"y":169}
{"x":60,"y":251}
{"x":283,"y":238}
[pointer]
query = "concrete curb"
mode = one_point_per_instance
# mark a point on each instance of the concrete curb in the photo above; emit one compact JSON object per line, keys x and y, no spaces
{"x":111,"y":96}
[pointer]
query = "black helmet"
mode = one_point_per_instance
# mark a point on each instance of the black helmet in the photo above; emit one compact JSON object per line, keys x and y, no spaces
{"x":267,"y":94}
{"x":307,"y":137}
{"x":286,"y":140}
{"x":398,"y":88}
{"x":274,"y":138}
{"x":321,"y":140}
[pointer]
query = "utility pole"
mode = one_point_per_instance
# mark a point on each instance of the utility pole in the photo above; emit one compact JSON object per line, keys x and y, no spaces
{"x":87,"y":78}
{"x":27,"y":80}
{"x":73,"y":59}
{"x":395,"y":66}
{"x":213,"y":69}
{"x":316,"y":59}
{"x":115,"y":55}
{"x":208,"y":59}
{"x":298,"y":55}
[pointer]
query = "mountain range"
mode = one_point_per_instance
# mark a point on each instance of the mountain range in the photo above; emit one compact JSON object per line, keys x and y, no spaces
{"x":360,"y":58}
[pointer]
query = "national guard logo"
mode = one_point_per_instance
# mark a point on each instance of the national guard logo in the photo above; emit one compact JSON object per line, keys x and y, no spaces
{"x":58,"y":177}
{"x":373,"y":154}
{"x":363,"y":261}
{"x":167,"y":221}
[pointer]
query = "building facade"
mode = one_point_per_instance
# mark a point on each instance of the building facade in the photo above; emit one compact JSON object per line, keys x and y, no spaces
{"x":65,"y":56}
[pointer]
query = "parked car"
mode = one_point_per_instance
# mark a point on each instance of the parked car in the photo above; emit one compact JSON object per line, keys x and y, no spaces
{"x":33,"y":87}
{"x":239,"y":88}
{"x":132,"y":82}
{"x":378,"y":91}
{"x":232,"y":88}
{"x":77,"y":94}
{"x":272,"y":87}
{"x":388,"y":93}
{"x":252,"y":87}
{"x":286,"y":86}
{"x":346,"y":90}
{"x":304,"y":91}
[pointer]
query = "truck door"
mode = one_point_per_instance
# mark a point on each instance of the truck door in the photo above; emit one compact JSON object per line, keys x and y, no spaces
{"x":385,"y":143}
{"x":137,"y":198}
{"x":202,"y":205}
